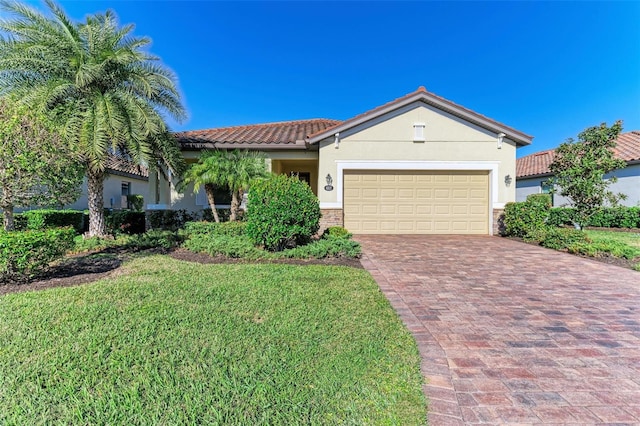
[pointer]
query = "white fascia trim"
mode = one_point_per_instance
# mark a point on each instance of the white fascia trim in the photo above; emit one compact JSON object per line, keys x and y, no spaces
{"x":491,"y":166}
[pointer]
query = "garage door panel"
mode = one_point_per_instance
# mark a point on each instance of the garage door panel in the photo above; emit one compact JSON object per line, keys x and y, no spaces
{"x":416,"y":201}
{"x":406,"y":194}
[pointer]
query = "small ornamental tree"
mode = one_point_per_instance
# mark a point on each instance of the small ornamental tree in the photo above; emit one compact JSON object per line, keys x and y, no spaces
{"x":221,"y":168}
{"x":282,"y":212}
{"x":36,"y":166}
{"x":579,"y":167}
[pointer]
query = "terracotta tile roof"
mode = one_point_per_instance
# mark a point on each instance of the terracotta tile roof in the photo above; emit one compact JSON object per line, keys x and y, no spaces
{"x":122,"y":166}
{"x":421,"y":94}
{"x":537,"y":164}
{"x":285,"y":134}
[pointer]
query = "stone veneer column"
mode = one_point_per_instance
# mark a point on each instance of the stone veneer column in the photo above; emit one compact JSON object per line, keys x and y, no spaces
{"x":330,"y":217}
{"x":498,"y":222}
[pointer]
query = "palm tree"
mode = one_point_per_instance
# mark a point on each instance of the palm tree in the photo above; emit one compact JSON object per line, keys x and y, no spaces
{"x":235,"y":170}
{"x":208,"y":172}
{"x":109,"y":95}
{"x":244,"y":168}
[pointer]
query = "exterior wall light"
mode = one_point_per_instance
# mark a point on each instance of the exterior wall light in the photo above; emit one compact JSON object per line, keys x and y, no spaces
{"x":500,"y":139}
{"x":336,"y":140}
{"x":508,"y":179}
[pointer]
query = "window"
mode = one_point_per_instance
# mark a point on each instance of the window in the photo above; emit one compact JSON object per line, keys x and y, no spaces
{"x":547,"y":188}
{"x":124,"y":200}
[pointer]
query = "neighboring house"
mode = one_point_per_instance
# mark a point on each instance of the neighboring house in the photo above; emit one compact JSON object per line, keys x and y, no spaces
{"x":419,"y":164}
{"x":124,"y":178}
{"x":532,"y":172}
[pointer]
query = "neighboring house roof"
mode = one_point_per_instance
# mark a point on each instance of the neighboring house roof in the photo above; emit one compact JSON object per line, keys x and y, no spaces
{"x":421,"y":95}
{"x":537,"y":164}
{"x":285,"y":134}
{"x":117,"y":165}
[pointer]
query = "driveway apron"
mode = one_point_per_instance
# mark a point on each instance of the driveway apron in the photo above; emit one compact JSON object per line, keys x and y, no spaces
{"x":511,"y":333}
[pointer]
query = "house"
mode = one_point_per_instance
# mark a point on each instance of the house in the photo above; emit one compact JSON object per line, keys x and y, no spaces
{"x":124,"y":178}
{"x":419,"y":164}
{"x":532,"y":172}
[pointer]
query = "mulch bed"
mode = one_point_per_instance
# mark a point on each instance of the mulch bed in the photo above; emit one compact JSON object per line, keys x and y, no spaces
{"x":86,"y":268}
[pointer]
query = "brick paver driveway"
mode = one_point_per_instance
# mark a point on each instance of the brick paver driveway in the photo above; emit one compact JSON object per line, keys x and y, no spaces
{"x":513,"y":333}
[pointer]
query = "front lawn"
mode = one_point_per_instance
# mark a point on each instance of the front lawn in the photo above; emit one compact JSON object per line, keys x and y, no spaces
{"x":171,"y":342}
{"x":628,"y":238}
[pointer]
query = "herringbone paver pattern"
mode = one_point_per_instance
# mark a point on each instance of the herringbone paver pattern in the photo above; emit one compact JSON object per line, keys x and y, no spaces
{"x":511,"y":333}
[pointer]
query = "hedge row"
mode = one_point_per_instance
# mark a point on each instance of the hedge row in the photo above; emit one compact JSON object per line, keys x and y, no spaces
{"x":49,"y":218}
{"x":26,"y":253}
{"x":609,"y":217}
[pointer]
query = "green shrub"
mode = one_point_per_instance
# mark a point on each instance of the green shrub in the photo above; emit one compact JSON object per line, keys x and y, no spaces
{"x":223,"y":228}
{"x":48,"y":218}
{"x":223,"y":215}
{"x":282,"y":212}
{"x":125,"y":222}
{"x":169,"y":220}
{"x":136,"y":202}
{"x":155,"y":239}
{"x":20,"y":222}
{"x":26,"y":253}
{"x":336,"y":232}
{"x":82,"y":244}
{"x":528,"y":216}
{"x":224,"y":245}
{"x":608,"y":217}
{"x":561,"y":216}
{"x":331,"y":247}
{"x":562,"y":238}
{"x":617,"y":217}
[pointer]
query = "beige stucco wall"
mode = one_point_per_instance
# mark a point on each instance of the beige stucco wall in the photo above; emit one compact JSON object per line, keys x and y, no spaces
{"x":112,"y":189}
{"x":387,"y":142}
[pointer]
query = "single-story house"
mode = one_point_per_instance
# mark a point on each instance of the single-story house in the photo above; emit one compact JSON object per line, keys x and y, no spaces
{"x":123,"y":178}
{"x":418,"y":164}
{"x":532,"y":172}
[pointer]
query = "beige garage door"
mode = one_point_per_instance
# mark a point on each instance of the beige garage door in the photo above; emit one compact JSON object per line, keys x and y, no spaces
{"x":416,"y":202}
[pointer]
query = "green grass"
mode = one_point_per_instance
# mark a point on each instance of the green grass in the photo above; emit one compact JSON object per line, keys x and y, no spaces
{"x":631,"y":239}
{"x":619,"y":244}
{"x":170,"y":342}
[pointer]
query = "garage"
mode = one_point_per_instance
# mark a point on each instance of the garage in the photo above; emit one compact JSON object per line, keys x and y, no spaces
{"x":416,"y":201}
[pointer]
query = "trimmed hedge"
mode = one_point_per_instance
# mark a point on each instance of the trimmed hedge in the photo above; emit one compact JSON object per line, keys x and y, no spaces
{"x":49,"y":218}
{"x":169,"y":220}
{"x":125,"y":222}
{"x":608,"y":217}
{"x":523,"y":218}
{"x":26,"y":253}
{"x":234,"y":229}
{"x":282,"y":213}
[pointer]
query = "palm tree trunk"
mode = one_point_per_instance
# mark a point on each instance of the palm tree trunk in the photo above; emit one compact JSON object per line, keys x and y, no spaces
{"x":236,"y":200}
{"x":95,"y":191}
{"x":7,"y":213}
{"x":208,"y":188}
{"x":7,"y":208}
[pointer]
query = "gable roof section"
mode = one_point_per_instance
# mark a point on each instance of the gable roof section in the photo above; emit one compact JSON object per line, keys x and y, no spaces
{"x":537,"y":164}
{"x":117,"y":165}
{"x":434,"y":100}
{"x":285,"y":134}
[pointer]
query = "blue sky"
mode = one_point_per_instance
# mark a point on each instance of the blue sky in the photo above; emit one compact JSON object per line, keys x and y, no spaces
{"x":549,"y":69}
